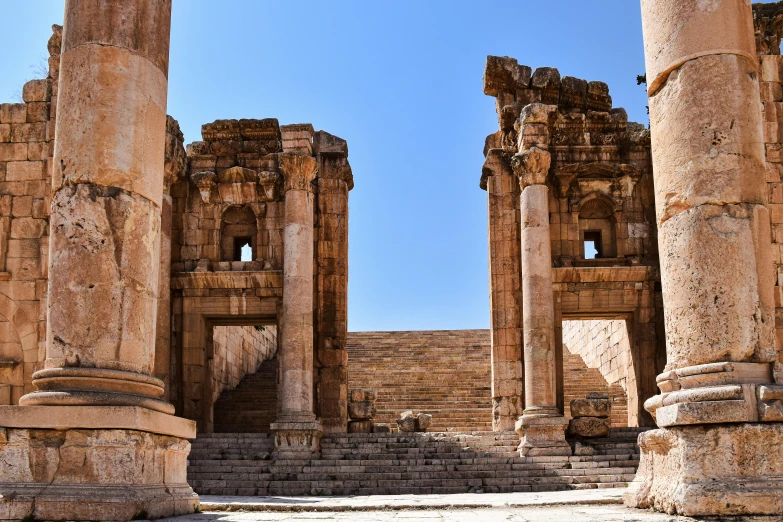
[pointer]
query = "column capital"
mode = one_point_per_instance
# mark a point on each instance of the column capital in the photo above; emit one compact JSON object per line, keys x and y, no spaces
{"x":531,"y":166}
{"x":299,"y":171}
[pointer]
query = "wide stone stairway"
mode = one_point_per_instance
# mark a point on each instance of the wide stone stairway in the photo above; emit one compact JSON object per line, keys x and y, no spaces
{"x":443,"y":373}
{"x":405,"y":463}
{"x":250,"y":407}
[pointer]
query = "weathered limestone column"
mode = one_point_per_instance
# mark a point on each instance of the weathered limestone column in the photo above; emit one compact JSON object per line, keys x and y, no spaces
{"x":720,"y":407}
{"x":297,"y":432}
{"x":96,"y":426}
{"x":505,"y":289}
{"x":542,"y":425}
{"x":105,"y":215}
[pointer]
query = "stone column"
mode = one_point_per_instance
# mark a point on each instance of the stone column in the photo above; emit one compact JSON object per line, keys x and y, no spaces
{"x":297,"y":432}
{"x":720,"y":408}
{"x":505,"y":289}
{"x":105,"y":213}
{"x":96,"y":425}
{"x":542,"y":425}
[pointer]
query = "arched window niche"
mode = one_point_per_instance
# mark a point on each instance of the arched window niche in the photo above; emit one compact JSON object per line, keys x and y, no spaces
{"x":239,"y":234}
{"x":597,"y":224}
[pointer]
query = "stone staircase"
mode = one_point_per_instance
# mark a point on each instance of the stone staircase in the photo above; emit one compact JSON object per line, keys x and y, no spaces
{"x":443,"y":373}
{"x":579,"y":380}
{"x":250,"y":407}
{"x":405,"y":463}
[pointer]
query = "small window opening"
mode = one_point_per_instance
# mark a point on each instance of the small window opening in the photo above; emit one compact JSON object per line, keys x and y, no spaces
{"x":592,"y":244}
{"x":243,"y":251}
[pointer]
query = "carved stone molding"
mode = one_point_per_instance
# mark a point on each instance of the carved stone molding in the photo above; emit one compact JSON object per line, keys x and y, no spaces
{"x":531,"y":166}
{"x":205,"y":181}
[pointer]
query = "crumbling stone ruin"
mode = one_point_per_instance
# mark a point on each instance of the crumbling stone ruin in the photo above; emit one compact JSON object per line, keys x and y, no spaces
{"x":182,"y":310}
{"x":565,"y":170}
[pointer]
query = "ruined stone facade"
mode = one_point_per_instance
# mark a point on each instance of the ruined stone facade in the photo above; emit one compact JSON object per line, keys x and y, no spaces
{"x":599,"y":189}
{"x":141,"y":279}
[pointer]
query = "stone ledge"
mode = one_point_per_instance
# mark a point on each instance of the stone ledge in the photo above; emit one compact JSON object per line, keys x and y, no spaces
{"x":96,"y":417}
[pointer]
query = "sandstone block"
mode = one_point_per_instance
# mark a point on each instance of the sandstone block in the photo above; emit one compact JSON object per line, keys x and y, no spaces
{"x":589,"y":427}
{"x":37,"y":91}
{"x":13,"y":152}
{"x":24,"y":170}
{"x":362,"y":395}
{"x":360,"y":426}
{"x":13,"y":113}
{"x":361,"y":410}
{"x":381,"y":428}
{"x":676,"y":475}
{"x":5,"y":132}
{"x":591,"y":408}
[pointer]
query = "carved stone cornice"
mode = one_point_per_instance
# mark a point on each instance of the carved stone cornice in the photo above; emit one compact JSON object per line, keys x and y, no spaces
{"x":531,"y":166}
{"x":298,"y":171}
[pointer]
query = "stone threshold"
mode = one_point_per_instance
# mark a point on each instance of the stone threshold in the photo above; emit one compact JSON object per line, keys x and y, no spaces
{"x":215,"y":503}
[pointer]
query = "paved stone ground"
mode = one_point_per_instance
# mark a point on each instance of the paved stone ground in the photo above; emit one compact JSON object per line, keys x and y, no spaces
{"x":568,"y":513}
{"x":595,"y":505}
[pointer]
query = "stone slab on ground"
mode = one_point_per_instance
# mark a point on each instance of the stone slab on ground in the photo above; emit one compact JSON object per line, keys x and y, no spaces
{"x":561,"y":513}
{"x":400,"y":502}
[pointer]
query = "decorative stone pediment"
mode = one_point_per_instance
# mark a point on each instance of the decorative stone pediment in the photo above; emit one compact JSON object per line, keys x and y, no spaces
{"x":598,"y":177}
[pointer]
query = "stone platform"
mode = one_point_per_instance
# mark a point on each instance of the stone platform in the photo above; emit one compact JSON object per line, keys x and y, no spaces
{"x":398,"y":464}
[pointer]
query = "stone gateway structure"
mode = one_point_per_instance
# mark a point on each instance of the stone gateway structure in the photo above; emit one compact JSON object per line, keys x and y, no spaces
{"x":173,"y":319}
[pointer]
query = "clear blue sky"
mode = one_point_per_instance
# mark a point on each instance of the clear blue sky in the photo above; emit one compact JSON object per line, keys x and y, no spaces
{"x":401,"y":81}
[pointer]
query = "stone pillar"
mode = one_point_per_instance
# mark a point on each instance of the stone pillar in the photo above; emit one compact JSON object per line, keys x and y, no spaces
{"x":174,"y":171}
{"x":335,"y":181}
{"x":719,"y":407}
{"x":505,"y":289}
{"x":542,"y":425}
{"x":105,"y":213}
{"x":97,"y":402}
{"x":297,"y":432}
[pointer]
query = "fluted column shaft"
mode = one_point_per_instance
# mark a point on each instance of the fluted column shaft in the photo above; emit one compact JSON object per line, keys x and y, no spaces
{"x":105,"y":212}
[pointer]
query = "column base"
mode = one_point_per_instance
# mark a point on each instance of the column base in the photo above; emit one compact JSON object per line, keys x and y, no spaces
{"x":542,"y":436}
{"x":50,"y":471}
{"x":715,"y":470}
{"x":296,"y":439}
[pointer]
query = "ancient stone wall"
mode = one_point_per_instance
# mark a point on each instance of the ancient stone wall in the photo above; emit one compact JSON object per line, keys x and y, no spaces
{"x":768,"y":21}
{"x":26,"y":147}
{"x":238,"y":351}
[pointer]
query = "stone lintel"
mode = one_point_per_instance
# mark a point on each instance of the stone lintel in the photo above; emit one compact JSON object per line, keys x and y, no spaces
{"x":626,"y":274}
{"x":234,"y":280}
{"x":96,"y":418}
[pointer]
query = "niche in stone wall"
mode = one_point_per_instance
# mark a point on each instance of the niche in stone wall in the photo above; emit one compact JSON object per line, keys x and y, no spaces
{"x":597,"y":225}
{"x":239,"y":234}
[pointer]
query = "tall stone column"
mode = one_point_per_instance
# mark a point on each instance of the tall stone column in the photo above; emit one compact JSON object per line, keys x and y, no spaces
{"x":105,"y":217}
{"x":505,"y":289}
{"x":719,"y":407}
{"x":97,"y":402}
{"x":297,"y":432}
{"x":542,"y":425}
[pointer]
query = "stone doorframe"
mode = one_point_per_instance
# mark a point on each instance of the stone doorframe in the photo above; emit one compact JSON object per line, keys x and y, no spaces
{"x":200,"y":301}
{"x":627,"y":293}
{"x":200,"y":315}
{"x":207,"y":423}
